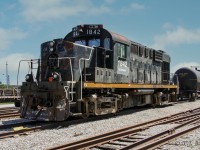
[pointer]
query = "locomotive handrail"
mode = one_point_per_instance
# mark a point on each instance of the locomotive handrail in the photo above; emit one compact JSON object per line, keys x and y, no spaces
{"x":60,"y":58}
{"x":92,"y":48}
{"x":29,"y":60}
{"x":82,"y":58}
{"x":79,"y":44}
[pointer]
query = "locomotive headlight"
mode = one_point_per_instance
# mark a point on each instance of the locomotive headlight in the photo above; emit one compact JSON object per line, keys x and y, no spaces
{"x":55,"y":76}
{"x":51,"y":49}
{"x":51,"y":43}
{"x":27,"y":77}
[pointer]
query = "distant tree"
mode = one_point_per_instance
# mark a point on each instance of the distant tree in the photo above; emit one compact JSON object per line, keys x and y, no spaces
{"x":2,"y":86}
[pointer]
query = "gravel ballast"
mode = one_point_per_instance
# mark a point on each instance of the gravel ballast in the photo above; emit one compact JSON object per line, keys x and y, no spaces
{"x":48,"y":138}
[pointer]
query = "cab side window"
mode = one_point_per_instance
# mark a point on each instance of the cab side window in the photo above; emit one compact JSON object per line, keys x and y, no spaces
{"x":106,"y":43}
{"x":121,"y":50}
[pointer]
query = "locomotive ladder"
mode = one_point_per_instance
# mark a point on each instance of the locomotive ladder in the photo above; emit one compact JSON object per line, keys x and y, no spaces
{"x":72,"y":82}
{"x":81,"y":67}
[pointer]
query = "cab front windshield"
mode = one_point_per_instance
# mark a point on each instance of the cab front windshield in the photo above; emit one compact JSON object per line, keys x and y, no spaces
{"x":90,"y":43}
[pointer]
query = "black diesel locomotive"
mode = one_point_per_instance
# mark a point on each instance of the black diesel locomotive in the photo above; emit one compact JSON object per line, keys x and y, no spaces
{"x":188,"y":81}
{"x":93,"y":71}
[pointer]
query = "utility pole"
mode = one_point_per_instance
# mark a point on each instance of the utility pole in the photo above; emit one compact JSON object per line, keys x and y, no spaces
{"x":7,"y":76}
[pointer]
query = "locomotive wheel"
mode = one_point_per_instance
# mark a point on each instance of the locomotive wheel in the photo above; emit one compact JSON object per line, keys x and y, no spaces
{"x":154,"y":100}
{"x":17,"y":103}
{"x":67,"y":108}
{"x":85,"y":115}
{"x":193,"y":97}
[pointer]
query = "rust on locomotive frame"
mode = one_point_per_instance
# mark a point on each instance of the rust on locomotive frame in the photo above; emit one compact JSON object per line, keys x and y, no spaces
{"x":93,"y":71}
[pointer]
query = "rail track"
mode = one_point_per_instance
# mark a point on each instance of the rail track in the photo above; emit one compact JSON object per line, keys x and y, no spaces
{"x":23,"y":128}
{"x":14,"y":125}
{"x":9,"y":112}
{"x":132,"y":138}
{"x":51,"y":125}
{"x":33,"y":126}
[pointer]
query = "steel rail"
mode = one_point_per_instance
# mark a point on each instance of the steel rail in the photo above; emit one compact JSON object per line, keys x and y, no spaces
{"x":6,"y":126}
{"x":28,"y":130}
{"x":107,"y":137}
{"x":46,"y":125}
{"x":103,"y":140}
{"x":11,"y":115}
{"x":154,"y":141}
{"x":165,"y":140}
{"x":8,"y":111}
{"x":8,"y":108}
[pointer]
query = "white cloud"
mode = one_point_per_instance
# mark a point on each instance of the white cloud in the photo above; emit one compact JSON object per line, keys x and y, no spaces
{"x":42,"y":10}
{"x":109,"y":1}
{"x":176,"y":36}
{"x":132,"y":7}
{"x":168,"y":26}
{"x":137,"y":6}
{"x":184,"y":64}
{"x":13,"y":63}
{"x":7,"y":36}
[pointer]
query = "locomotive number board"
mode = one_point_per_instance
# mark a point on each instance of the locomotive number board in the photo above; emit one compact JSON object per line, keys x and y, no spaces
{"x":87,"y":30}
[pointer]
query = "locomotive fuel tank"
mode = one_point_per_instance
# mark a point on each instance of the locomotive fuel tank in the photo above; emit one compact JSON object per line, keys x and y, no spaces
{"x":188,"y":79}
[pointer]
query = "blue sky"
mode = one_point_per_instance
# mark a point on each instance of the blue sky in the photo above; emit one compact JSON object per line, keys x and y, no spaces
{"x":170,"y":25}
